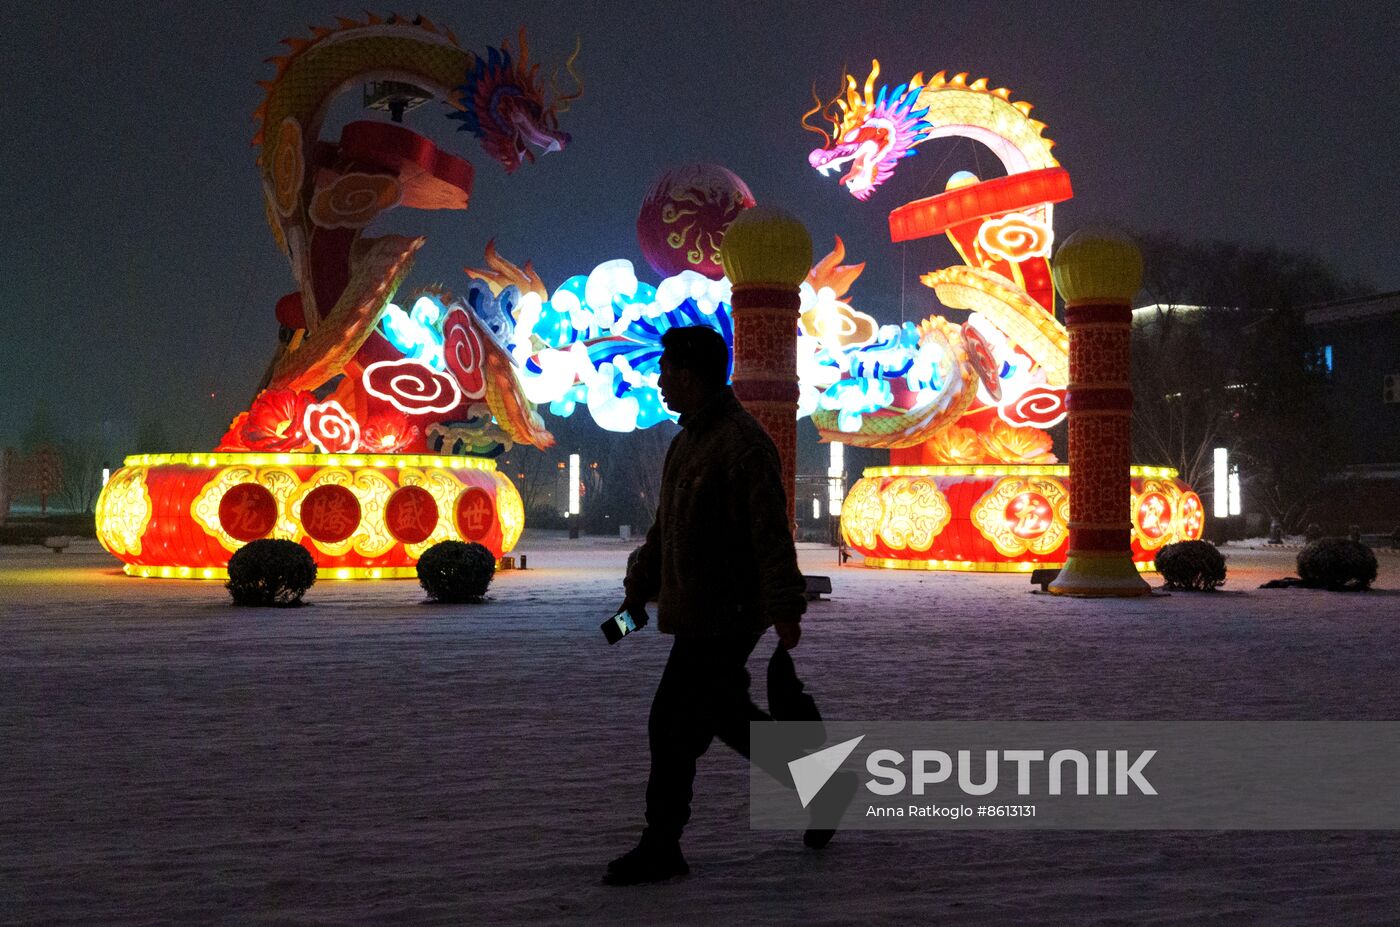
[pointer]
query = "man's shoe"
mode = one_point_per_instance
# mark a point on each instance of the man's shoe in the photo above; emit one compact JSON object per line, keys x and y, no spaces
{"x":831,"y":804}
{"x":649,"y":861}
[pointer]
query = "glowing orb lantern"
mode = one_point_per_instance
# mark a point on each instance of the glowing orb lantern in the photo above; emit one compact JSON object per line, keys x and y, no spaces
{"x":684,"y":217}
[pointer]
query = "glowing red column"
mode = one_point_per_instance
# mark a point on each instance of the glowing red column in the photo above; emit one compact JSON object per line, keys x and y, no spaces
{"x":767,"y":254}
{"x":1098,"y":273}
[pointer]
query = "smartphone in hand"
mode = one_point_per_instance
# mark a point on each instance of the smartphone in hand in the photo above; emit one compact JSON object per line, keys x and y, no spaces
{"x":622,"y":624}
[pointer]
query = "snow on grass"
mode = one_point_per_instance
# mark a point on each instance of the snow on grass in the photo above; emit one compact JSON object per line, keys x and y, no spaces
{"x":168,"y":758}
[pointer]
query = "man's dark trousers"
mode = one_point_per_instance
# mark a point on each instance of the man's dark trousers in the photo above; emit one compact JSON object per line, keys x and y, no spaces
{"x":703,"y":694}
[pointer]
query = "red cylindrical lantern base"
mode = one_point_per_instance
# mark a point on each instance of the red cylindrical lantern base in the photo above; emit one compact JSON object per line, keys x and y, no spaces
{"x":1100,"y":559}
{"x":765,"y":370}
{"x":361,"y":516}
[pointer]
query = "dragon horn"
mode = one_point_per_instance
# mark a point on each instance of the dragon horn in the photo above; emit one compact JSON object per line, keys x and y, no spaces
{"x":819,"y":106}
{"x":870,"y":81}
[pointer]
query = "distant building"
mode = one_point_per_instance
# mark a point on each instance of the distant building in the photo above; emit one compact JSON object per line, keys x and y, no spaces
{"x":1358,"y":344}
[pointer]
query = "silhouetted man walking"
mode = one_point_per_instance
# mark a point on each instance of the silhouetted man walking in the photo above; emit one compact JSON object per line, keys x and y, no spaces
{"x":720,"y":562}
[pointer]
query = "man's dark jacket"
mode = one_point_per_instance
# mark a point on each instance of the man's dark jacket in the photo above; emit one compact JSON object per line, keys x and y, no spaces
{"x":719,"y":559}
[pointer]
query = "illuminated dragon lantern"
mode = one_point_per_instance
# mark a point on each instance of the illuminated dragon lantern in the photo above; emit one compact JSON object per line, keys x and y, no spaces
{"x":999,"y":378}
{"x":963,"y":408}
{"x":370,"y":437}
{"x":320,"y":197}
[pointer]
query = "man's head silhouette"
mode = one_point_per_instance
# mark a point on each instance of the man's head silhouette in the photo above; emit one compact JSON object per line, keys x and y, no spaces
{"x":694,"y":365}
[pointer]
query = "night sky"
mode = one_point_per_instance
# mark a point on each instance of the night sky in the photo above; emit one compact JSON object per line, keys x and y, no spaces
{"x":141,"y":276}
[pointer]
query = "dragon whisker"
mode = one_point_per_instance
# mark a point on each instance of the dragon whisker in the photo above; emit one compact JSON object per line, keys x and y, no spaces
{"x":561,"y":103}
{"x":820,"y":107}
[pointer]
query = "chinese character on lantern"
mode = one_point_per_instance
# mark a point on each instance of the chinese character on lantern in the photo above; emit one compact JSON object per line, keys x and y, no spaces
{"x":1029,"y":515}
{"x":476,"y":514}
{"x":330,"y":513}
{"x":411,"y":514}
{"x":248,"y":512}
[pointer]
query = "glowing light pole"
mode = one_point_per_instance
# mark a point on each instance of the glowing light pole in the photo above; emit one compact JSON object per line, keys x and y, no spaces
{"x":767,"y":254}
{"x":836,"y":478}
{"x":1098,"y":273}
{"x":1221,"y":506}
{"x":573,"y":484}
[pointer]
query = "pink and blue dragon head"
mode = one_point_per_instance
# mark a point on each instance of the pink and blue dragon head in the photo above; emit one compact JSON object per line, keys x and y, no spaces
{"x":504,"y":104}
{"x":872,"y":132}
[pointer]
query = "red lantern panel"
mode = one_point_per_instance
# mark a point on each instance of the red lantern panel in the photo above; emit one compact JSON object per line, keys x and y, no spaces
{"x":1191,"y":517}
{"x":330,"y":513}
{"x":248,"y":512}
{"x":411,"y":514}
{"x":1154,"y":515}
{"x":1030,"y":515}
{"x":476,"y":515}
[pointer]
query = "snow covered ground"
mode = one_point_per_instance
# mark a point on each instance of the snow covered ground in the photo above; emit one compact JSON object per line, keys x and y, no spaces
{"x":165,"y":758}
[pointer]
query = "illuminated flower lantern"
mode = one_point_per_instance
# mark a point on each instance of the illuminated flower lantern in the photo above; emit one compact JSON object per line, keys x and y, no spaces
{"x":767,"y":255}
{"x":370,"y":439}
{"x":1099,"y":273}
{"x":964,"y":409}
{"x":684,"y":216}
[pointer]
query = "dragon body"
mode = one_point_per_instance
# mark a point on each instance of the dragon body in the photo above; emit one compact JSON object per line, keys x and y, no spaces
{"x":321,"y":196}
{"x":594,"y":343}
{"x":980,"y":391}
{"x":1012,"y":353}
{"x":464,"y":376}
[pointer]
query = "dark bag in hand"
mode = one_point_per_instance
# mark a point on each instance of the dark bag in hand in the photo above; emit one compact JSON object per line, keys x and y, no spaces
{"x":786,"y":699}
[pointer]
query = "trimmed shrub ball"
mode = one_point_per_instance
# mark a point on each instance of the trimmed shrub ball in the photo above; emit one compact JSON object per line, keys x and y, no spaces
{"x":270,"y":572}
{"x":453,"y":571}
{"x":1337,"y":564}
{"x":1194,"y":565}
